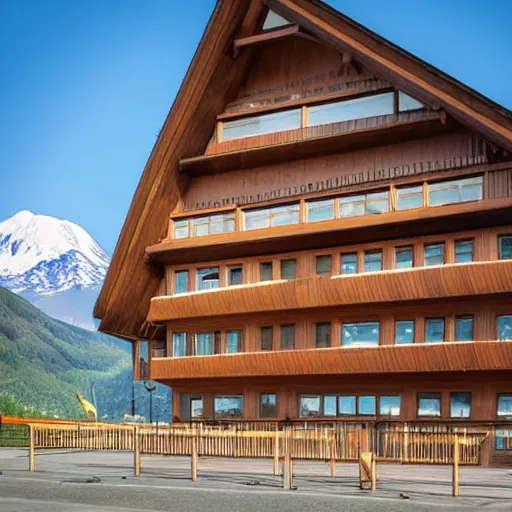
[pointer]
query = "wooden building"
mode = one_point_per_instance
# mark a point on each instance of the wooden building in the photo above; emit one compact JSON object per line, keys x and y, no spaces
{"x":322,"y":231}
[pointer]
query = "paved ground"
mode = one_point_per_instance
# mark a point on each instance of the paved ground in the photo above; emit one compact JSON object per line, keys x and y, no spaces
{"x":104,"y":481}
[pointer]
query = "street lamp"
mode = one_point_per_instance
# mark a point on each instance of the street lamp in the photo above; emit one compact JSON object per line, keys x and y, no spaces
{"x":150,"y":390}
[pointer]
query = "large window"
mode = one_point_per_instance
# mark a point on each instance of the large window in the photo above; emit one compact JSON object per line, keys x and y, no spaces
{"x":372,"y":261}
{"x":434,"y":255}
{"x":266,"y":272}
{"x":505,"y":247}
{"x":460,"y":405}
{"x":320,"y":210}
{"x":226,"y":407}
{"x":323,"y":335}
{"x":288,"y":269}
{"x":235,"y":275}
{"x":310,"y":406}
{"x":206,"y":225}
{"x":505,"y":327}
{"x":261,"y":125}
{"x":404,"y":332}
{"x":404,"y":257}
{"x":361,"y":334}
{"x":181,"y":281}
{"x":359,"y":108}
{"x":429,"y":404}
{"x":179,"y":344}
{"x":409,"y":197}
{"x":287,"y":337}
{"x":349,"y":263}
{"x":389,"y":405}
{"x":268,"y":405}
{"x":266,"y":338}
{"x":272,"y":217}
{"x":504,"y":405}
{"x":233,"y":342}
{"x":455,"y":191}
{"x":365,"y":204}
{"x":323,"y":265}
{"x":463,"y":251}
{"x":207,"y":278}
{"x":464,"y":328}
{"x":434,"y":330}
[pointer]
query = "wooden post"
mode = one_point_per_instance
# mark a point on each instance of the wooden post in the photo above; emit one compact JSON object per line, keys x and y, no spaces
{"x":31,"y":452}
{"x":193,"y":457}
{"x":276,"y":452}
{"x":456,"y":472}
{"x":136,"y":451}
{"x":406,"y":444}
{"x":332,"y":450}
{"x":373,"y":486}
{"x":288,"y":464}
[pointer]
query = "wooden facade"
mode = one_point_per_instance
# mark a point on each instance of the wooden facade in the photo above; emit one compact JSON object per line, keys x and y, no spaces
{"x":323,"y":231}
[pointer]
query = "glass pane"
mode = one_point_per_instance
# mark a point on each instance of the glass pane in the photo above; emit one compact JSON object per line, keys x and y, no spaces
{"x":505,"y":247}
{"x":260,"y":125}
{"x":377,"y":203}
{"x":460,"y":405}
{"x":200,"y":226}
{"x":268,"y":405}
{"x":359,"y":108}
{"x":389,"y":405}
{"x":503,"y":439}
{"x":434,"y":255}
{"x":207,"y":278}
{"x":367,"y":405}
{"x":233,"y":342}
{"x":284,"y":215}
{"x":273,"y":20}
{"x":181,"y":281}
{"x":455,"y":191}
{"x":309,"y":406}
{"x":409,"y":197}
{"x":464,"y":329}
{"x":347,"y":405}
{"x":204,"y":344}
{"x":323,"y":265}
{"x":159,"y":349}
{"x":405,"y":102}
{"x":288,"y":269}
{"x":505,"y":405}
{"x":429,"y":404}
{"x":404,"y":332}
{"x":349,"y":263}
{"x":179,"y":344}
{"x":236,"y":275}
{"x":352,"y":206}
{"x":266,"y":271}
{"x":257,"y":219}
{"x":360,"y":334}
{"x":287,"y":337}
{"x":330,"y":405}
{"x":181,"y":229}
{"x":320,"y":210}
{"x":222,"y":223}
{"x":373,"y":261}
{"x":266,"y":338}
{"x":404,"y":257}
{"x":463,"y":251}
{"x":434,"y":330}
{"x":196,"y":407}
{"x":323,"y":335}
{"x":505,"y":328}
{"x":228,"y":407}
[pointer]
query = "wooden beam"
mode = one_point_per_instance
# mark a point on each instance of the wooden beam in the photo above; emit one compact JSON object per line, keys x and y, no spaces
{"x":266,"y":37}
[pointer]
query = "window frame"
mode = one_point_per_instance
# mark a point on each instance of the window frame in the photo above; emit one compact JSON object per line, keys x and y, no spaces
{"x":260,"y":405}
{"x":229,"y":270}
{"x":270,"y":328}
{"x":452,"y":393}
{"x":434,"y":244}
{"x":498,"y":317}
{"x":283,"y":327}
{"x":315,"y":329}
{"x":403,"y":249}
{"x":326,"y":257}
{"x":220,"y":397}
{"x":439,"y":396}
{"x":282,"y":263}
{"x":435,"y":318}
{"x":464,"y":317}
{"x":370,"y":253}
{"x":506,"y":417}
{"x":377,"y":322}
{"x":355,"y":254}
{"x":398,"y":321}
{"x":458,"y":243}
{"x":500,"y":248}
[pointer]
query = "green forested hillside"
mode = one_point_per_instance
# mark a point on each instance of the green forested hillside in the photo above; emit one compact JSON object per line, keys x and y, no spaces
{"x":44,"y":362}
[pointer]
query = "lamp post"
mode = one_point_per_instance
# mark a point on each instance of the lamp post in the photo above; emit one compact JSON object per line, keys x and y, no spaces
{"x":150,"y":390}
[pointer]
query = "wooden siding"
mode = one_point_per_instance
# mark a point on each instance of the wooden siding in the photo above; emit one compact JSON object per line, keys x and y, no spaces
{"x":498,"y":183}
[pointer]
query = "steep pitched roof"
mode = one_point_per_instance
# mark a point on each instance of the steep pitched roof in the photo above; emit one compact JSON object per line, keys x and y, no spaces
{"x":212,"y":80}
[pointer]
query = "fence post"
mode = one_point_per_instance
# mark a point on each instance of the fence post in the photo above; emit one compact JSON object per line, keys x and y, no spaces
{"x":136,"y":451}
{"x":288,"y":464}
{"x":406,"y":444}
{"x":332,"y":447}
{"x":276,"y":452}
{"x":456,"y":472}
{"x":31,"y":451}
{"x":193,"y":457}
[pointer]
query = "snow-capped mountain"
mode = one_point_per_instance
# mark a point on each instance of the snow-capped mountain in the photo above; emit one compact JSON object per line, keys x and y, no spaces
{"x":48,"y":261}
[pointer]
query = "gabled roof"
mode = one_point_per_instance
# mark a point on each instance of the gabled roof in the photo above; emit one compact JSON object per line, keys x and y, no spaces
{"x":213,"y":80}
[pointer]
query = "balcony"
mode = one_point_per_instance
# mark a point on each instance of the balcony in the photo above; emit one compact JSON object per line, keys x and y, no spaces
{"x":421,"y":283}
{"x":442,"y":357}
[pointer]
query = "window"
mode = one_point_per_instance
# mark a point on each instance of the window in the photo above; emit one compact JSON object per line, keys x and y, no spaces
{"x":272,"y":217}
{"x":505,"y":328}
{"x":260,"y":125}
{"x":464,"y":328}
{"x":347,"y":405}
{"x":504,"y":405}
{"x":359,"y":108}
{"x":196,"y":407}
{"x":268,"y":405}
{"x":366,"y":405}
{"x":360,"y":335}
{"x":287,"y":337}
{"x":463,"y":251}
{"x":266,"y":273}
{"x":159,"y":349}
{"x":266,"y":338}
{"x":273,"y":20}
{"x":228,"y":407}
{"x":180,"y":229}
{"x":235,"y":275}
{"x":309,"y":406}
{"x":179,"y":344}
{"x":373,"y":261}
{"x":369,"y":204}
{"x":320,"y":210}
{"x":233,"y":342}
{"x":404,"y":257}
{"x":505,"y":247}
{"x":389,"y":405}
{"x":181,"y":281}
{"x":460,"y":405}
{"x":434,"y":330}
{"x":323,"y":265}
{"x":429,"y":404}
{"x":207,"y":278}
{"x":434,"y":255}
{"x":288,"y":269}
{"x":323,"y":335}
{"x":404,"y":332}
{"x":204,"y":344}
{"x":455,"y":191}
{"x":503,"y":439}
{"x":330,"y":405}
{"x":406,"y":102}
{"x":408,"y":198}
{"x":212,"y":224}
{"x":349,"y":263}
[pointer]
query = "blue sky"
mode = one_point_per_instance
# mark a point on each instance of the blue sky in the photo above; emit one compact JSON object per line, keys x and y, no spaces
{"x":85,"y":87}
